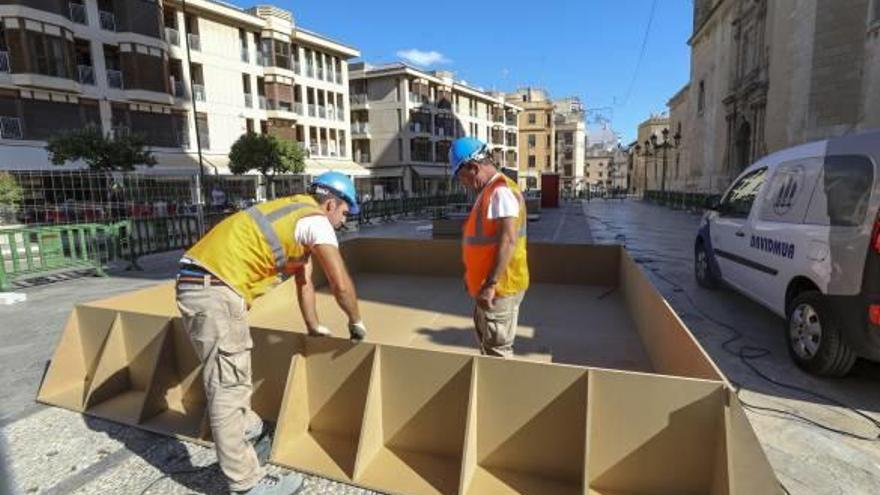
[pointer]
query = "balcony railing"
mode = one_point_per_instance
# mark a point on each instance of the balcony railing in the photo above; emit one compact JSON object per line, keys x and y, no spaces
{"x":262,"y":103}
{"x":108,"y":20}
{"x":310,"y":70}
{"x":320,"y":72}
{"x":271,"y":104}
{"x":357,"y":99}
{"x":362,"y":157}
{"x":178,"y":88}
{"x":248,"y":100}
{"x":114,"y":78}
{"x":4,"y":61}
{"x":333,"y":76}
{"x":298,"y":107}
{"x":172,"y":36}
{"x":313,"y":111}
{"x":360,"y":127}
{"x":340,"y":114}
{"x":10,"y":128}
{"x":322,"y":112}
{"x":422,"y":156}
{"x":510,"y":120}
{"x":199,"y":92}
{"x":314,"y":149}
{"x":195,"y":42}
{"x":245,"y":54}
{"x":86,"y":74}
{"x":296,"y":66}
{"x":78,"y":13}
{"x":262,"y":59}
{"x":419,"y":127}
{"x":418,"y":99}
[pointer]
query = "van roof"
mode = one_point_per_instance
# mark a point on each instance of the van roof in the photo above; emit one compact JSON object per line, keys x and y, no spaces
{"x":863,"y":141}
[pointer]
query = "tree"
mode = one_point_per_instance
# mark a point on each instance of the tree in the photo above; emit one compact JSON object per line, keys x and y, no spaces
{"x":98,"y":151}
{"x":266,"y":154}
{"x":10,"y":196}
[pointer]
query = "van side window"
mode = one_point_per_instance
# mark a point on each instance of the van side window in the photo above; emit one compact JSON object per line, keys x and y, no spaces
{"x":737,"y":203}
{"x":789,"y":190}
{"x":842,"y":192}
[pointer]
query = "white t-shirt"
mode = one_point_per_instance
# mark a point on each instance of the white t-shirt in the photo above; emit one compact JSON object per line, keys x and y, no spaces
{"x":503,"y":203}
{"x":314,"y":230}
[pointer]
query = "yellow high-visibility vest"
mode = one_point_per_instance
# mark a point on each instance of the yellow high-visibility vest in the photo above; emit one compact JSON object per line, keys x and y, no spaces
{"x":250,"y":249}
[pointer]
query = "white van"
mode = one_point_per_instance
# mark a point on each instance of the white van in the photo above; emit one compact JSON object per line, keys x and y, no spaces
{"x":799,"y":232}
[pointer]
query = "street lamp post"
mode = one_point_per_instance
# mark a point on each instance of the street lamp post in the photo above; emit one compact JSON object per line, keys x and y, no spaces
{"x":664,"y":145}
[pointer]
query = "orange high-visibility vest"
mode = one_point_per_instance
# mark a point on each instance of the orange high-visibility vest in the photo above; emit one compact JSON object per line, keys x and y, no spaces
{"x":479,"y":244}
{"x":250,"y":249}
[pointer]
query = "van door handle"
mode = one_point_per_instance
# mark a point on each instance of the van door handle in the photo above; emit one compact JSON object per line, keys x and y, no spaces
{"x":740,"y":234}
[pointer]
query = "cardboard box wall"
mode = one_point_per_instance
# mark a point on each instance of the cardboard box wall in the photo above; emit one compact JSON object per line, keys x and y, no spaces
{"x":405,"y":420}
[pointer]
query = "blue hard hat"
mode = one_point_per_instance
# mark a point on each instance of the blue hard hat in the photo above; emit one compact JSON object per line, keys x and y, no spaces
{"x":464,"y":150}
{"x":339,"y":185}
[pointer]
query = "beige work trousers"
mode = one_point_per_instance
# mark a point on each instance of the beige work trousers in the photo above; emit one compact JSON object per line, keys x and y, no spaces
{"x":215,"y":317}
{"x":496,"y":327}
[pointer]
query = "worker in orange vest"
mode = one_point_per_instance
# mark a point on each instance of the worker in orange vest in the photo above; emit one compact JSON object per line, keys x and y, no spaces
{"x":493,"y":246}
{"x":220,"y":277}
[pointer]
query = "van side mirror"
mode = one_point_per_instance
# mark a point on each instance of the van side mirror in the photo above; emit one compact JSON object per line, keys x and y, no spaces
{"x":712,"y":203}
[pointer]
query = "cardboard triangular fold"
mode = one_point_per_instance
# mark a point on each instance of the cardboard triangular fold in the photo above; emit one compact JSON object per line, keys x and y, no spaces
{"x":73,"y":364}
{"x":175,"y":399}
{"x":319,"y":426}
{"x":416,"y":419}
{"x":127,"y":367}
{"x":655,"y":434}
{"x":530,"y":429}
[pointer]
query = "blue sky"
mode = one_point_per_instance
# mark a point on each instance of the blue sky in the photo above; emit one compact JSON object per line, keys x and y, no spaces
{"x":588,"y":48}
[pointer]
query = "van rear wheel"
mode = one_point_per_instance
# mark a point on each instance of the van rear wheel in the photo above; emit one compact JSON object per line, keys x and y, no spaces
{"x":814,"y":336}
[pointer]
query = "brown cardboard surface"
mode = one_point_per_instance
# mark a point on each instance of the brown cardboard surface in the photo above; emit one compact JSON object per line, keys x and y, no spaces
{"x":414,"y":410}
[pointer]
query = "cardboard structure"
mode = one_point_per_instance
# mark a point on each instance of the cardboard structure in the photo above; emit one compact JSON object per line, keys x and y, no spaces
{"x":415,"y":410}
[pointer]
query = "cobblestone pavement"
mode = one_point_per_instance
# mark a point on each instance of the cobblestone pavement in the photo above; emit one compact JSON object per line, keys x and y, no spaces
{"x":51,"y":450}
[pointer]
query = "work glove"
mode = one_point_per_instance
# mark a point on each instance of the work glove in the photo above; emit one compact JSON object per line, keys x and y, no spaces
{"x":320,"y":331}
{"x":357,"y":331}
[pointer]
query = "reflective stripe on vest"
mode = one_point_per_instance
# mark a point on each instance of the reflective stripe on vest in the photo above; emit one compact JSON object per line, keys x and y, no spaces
{"x":264,"y":223}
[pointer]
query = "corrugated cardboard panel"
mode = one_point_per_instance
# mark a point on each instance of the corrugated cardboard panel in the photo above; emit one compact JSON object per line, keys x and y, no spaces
{"x":531,"y":427}
{"x":654,"y":434}
{"x":750,"y":471}
{"x":424,"y":398}
{"x":73,"y":364}
{"x":126,"y":367}
{"x":330,"y":391}
{"x":671,"y":346}
{"x":270,"y":358}
{"x":157,"y":300}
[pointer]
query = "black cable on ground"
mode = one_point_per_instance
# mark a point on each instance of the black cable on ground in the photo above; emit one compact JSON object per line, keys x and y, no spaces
{"x":747,"y":353}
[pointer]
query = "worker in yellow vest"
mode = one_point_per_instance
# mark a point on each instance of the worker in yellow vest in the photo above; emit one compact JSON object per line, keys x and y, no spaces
{"x":236,"y":262}
{"x":493,"y":246}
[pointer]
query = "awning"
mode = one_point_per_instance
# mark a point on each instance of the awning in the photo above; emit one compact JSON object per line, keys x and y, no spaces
{"x":347,"y":167}
{"x":428,"y":171}
{"x":386,"y":172}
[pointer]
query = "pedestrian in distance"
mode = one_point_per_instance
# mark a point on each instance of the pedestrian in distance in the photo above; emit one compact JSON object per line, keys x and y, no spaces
{"x":236,"y":262}
{"x":493,"y":246}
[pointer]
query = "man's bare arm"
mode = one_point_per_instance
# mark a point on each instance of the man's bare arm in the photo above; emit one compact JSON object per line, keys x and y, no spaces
{"x":305,"y":294}
{"x":340,"y":282}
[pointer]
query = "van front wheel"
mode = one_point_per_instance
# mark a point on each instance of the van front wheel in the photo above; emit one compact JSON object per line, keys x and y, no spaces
{"x":814,"y":336}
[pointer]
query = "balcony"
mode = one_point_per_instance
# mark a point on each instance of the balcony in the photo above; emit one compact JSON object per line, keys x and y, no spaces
{"x":322,"y":112}
{"x":172,"y":36}
{"x":422,"y":156}
{"x":419,"y":128}
{"x":362,"y":157}
{"x":271,"y":104}
{"x":248,"y":100}
{"x":261,"y":102}
{"x":298,"y":107}
{"x":108,"y":20}
{"x":10,"y":128}
{"x":320,"y":73}
{"x":443,"y":132}
{"x":296,"y":66}
{"x":310,"y":70}
{"x":360,"y":127}
{"x":340,"y":114}
{"x":314,"y":149}
{"x":418,"y":99}
{"x":198,"y":92}
{"x":114,"y":78}
{"x":334,"y":76}
{"x":179,"y":89}
{"x":86,"y":74}
{"x":245,"y":55}
{"x":4,"y":61}
{"x":262,"y":59}
{"x":195,"y":42}
{"x":358,"y":99}
{"x":313,"y":111}
{"x":78,"y":13}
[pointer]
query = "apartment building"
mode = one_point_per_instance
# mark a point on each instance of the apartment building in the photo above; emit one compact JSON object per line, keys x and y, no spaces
{"x":404,"y":119}
{"x":537,"y":128}
{"x":570,"y":142}
{"x":212,"y":72}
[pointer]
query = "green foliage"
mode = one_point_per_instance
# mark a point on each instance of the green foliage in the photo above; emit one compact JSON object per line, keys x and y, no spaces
{"x":266,"y":154}
{"x":10,"y":191}
{"x":98,"y":151}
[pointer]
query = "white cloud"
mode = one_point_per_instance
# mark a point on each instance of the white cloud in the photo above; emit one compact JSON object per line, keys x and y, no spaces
{"x":423,"y":58}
